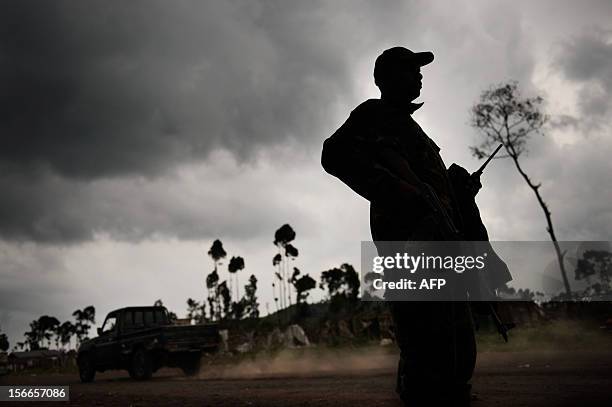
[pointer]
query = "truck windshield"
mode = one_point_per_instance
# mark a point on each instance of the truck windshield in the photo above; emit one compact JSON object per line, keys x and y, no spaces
{"x":109,"y":324}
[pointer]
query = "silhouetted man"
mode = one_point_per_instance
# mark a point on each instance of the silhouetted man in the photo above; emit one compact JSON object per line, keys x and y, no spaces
{"x":382,"y":154}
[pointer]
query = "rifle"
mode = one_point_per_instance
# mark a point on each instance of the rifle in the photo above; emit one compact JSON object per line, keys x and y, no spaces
{"x":502,"y":327}
{"x":479,"y":171}
{"x":441,"y":218}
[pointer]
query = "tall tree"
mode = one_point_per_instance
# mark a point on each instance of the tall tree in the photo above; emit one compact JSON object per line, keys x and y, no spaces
{"x":85,"y":318}
{"x":236,"y":264}
{"x":33,"y":336}
{"x":211,"y":284}
{"x":250,"y":296}
{"x":217,"y":253}
{"x":276,"y":262}
{"x":223,"y":293}
{"x":65,"y":332}
{"x":503,"y":116}
{"x":291,"y":252}
{"x":282,"y":240}
{"x":4,"y":343}
{"x":47,"y":325}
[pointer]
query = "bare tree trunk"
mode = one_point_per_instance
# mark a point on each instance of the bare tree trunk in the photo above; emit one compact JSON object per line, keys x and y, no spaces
{"x":281,"y":286}
{"x":282,"y":271}
{"x":549,"y":228}
{"x":274,"y":296}
{"x":229,"y":282}
{"x":237,"y":288}
{"x":287,"y":272}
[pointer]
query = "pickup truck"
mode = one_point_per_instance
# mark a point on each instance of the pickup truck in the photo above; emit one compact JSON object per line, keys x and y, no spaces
{"x":142,"y":340}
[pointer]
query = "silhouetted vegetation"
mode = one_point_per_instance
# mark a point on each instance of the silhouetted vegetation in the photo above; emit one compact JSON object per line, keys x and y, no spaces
{"x":47,"y":329}
{"x":286,"y":251}
{"x":4,"y":342}
{"x":235,"y":265}
{"x":196,"y":312}
{"x":595,"y":265}
{"x":342,"y":285}
{"x":217,"y":253}
{"x":338,"y":318}
{"x":85,"y":318}
{"x":251,"y":308}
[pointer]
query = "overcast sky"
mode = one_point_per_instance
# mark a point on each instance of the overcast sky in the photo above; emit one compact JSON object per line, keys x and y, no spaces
{"x":133,"y":134}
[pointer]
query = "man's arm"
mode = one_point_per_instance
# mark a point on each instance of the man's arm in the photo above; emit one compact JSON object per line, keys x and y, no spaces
{"x":379,"y":174}
{"x":358,"y":163}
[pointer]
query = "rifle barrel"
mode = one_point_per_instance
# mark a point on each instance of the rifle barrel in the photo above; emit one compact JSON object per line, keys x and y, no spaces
{"x":482,"y":167}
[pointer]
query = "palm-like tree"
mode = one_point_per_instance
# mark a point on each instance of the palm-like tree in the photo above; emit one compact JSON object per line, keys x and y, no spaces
{"x":282,"y":239}
{"x":250,"y":297}
{"x":235,"y":265}
{"x":217,"y":253}
{"x":211,"y":284}
{"x":276,"y":261}
{"x":291,"y":252}
{"x":4,"y":343}
{"x":223,"y":294}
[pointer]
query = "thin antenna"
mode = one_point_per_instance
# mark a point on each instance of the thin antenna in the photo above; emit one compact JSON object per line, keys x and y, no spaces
{"x":479,"y":171}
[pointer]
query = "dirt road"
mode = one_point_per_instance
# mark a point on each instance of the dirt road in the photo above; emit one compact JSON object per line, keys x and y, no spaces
{"x":501,"y":379}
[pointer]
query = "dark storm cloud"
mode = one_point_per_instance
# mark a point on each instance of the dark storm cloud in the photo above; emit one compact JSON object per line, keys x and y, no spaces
{"x":107,"y":90}
{"x":95,"y":89}
{"x":229,"y":204}
{"x":102,"y":101}
{"x":98,"y":90}
{"x":587,"y":60}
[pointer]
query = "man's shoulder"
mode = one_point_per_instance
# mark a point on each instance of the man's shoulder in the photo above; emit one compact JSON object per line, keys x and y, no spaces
{"x":368,"y":109}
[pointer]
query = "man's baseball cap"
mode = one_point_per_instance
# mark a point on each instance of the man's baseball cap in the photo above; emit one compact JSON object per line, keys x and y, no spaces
{"x":394,"y":59}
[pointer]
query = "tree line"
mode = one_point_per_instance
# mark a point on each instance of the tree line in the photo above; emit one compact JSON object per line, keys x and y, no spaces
{"x":47,"y":330}
{"x":223,"y":300}
{"x":289,"y":285}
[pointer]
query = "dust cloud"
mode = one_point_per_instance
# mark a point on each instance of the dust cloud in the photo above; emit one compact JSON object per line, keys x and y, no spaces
{"x":303,"y":362}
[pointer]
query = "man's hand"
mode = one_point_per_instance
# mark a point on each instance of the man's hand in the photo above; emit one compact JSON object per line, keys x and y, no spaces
{"x":463,"y":182}
{"x":473,"y":185}
{"x":444,"y":222}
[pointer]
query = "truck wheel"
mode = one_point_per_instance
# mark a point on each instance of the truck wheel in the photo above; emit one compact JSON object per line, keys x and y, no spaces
{"x":191,"y":366}
{"x":87,"y":370}
{"x":142,"y":365}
